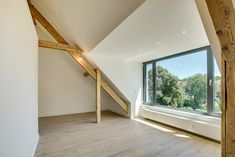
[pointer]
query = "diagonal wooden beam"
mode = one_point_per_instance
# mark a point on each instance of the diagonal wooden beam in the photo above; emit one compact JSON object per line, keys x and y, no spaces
{"x":86,"y":74}
{"x":92,"y":73}
{"x":58,"y":46}
{"x":34,"y":21}
{"x":38,"y":16}
{"x":113,"y":94}
{"x":79,"y":57}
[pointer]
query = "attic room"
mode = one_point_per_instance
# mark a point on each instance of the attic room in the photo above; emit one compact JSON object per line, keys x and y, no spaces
{"x":126,"y":78}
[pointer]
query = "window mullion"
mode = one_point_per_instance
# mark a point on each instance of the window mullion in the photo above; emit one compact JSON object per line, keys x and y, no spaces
{"x":154,"y":83}
{"x":210,"y":82}
{"x":144,"y":83}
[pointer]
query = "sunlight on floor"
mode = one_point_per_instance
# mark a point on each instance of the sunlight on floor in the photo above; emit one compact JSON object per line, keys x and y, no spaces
{"x":182,"y":136}
{"x":153,"y":125}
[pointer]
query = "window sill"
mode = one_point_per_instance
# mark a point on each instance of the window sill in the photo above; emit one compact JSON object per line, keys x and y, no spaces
{"x":203,"y":125}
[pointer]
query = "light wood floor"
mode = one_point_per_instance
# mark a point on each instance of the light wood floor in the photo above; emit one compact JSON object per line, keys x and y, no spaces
{"x":78,"y":136}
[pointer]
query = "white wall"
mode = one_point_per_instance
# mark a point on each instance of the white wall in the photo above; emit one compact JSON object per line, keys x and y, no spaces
{"x":126,"y":75}
{"x":134,"y":41}
{"x":18,"y":80}
{"x":63,"y":89}
{"x":210,"y":30}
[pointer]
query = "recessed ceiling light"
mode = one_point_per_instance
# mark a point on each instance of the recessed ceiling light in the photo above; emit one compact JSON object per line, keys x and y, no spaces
{"x":158,"y":43}
{"x":184,"y":32}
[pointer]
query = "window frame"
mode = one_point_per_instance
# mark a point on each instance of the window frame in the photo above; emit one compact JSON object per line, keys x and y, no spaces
{"x":210,"y":80}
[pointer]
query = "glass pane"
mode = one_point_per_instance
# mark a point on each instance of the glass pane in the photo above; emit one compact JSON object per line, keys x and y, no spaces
{"x":181,"y":82}
{"x":149,"y":84}
{"x":217,"y":88}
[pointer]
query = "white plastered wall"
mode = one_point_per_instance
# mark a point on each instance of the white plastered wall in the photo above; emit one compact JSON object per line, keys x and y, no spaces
{"x":18,"y":80}
{"x":210,"y":30}
{"x":127,"y":76}
{"x":63,"y":89}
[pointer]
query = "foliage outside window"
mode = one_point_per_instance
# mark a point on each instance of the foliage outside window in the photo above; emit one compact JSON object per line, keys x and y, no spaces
{"x":189,"y":81}
{"x":217,"y":90}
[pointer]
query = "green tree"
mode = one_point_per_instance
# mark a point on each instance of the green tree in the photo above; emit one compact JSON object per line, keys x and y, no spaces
{"x":196,"y":88}
{"x":168,"y":91}
{"x":149,"y":85}
{"x":217,"y":90}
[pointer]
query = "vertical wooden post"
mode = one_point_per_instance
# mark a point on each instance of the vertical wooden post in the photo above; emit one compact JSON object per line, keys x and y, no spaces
{"x":229,"y":113}
{"x":223,"y":107}
{"x":98,"y":104}
{"x":223,"y":17}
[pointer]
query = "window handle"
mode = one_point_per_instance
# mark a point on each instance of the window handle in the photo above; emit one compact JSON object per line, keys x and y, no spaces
{"x":210,"y":82}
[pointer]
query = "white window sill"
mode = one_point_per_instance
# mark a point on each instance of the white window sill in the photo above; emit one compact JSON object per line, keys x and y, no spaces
{"x":207,"y":126}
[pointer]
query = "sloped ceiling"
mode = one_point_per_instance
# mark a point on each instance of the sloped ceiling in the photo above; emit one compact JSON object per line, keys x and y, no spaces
{"x":133,"y":30}
{"x":156,"y":29}
{"x":86,"y":22}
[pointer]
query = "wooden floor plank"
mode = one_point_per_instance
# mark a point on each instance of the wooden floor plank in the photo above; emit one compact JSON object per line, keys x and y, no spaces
{"x":79,"y":136}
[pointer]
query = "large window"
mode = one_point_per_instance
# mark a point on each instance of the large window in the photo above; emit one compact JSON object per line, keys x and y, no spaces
{"x":188,"y":81}
{"x":217,"y":89}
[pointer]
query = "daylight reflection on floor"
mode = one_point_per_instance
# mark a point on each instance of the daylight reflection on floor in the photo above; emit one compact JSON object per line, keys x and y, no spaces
{"x":161,"y":128}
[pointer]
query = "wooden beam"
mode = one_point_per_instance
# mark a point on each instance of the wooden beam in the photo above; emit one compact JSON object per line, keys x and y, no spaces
{"x":83,"y":63}
{"x":34,"y":21}
{"x":105,"y":86}
{"x":57,"y":46}
{"x":39,"y":17}
{"x":223,"y":108}
{"x":79,"y":57}
{"x":223,"y":17}
{"x":109,"y":90}
{"x":98,"y":94}
{"x":86,"y":74}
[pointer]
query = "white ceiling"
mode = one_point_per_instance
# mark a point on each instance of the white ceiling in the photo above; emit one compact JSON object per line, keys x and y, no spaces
{"x":153,"y":30}
{"x":157,"y":28}
{"x":86,"y":22}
